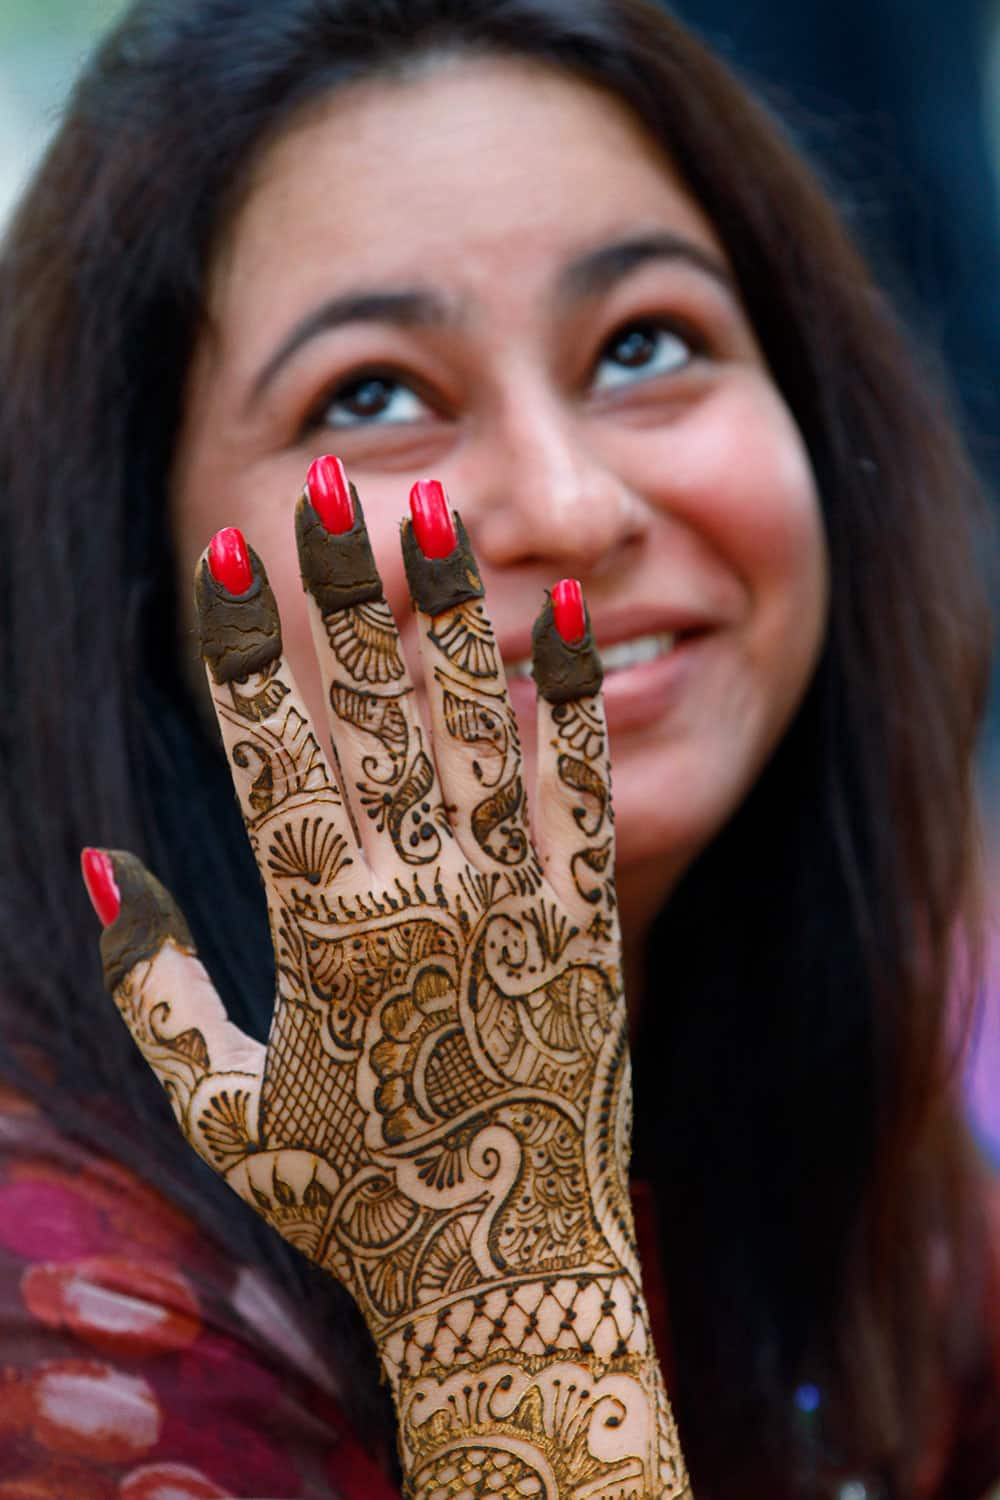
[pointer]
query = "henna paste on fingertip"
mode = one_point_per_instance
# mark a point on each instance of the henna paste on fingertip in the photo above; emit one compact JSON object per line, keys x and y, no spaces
{"x":564,"y":672}
{"x":149,"y":917}
{"x":240,"y":634}
{"x":338,"y":569}
{"x":438,"y":584}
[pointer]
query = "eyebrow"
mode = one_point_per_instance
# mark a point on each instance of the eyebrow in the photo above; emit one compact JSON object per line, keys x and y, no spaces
{"x":417,"y":307}
{"x":599,"y":270}
{"x":411,"y":308}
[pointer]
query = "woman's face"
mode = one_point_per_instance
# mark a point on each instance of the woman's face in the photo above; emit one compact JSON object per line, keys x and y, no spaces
{"x":487,"y":274}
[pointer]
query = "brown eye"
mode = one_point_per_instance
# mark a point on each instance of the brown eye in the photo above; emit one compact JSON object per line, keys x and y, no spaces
{"x":373,"y":400}
{"x":638,"y":352}
{"x":636,"y":347}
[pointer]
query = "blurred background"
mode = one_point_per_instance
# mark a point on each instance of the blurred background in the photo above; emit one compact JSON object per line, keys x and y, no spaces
{"x":897,"y":104}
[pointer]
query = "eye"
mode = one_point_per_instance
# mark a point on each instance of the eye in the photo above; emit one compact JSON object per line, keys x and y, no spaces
{"x":640,"y":351}
{"x":371,"y":400}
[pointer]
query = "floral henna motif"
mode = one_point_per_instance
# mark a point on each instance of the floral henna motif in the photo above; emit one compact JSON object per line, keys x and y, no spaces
{"x":580,"y":728}
{"x":364,"y":641}
{"x":256,"y":695}
{"x":464,"y":637}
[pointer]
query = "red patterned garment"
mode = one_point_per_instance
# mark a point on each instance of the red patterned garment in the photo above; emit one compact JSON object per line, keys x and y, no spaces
{"x":136,"y":1361}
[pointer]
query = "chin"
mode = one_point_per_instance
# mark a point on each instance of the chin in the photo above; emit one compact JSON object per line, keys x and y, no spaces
{"x":672,"y":842}
{"x":665,"y":821}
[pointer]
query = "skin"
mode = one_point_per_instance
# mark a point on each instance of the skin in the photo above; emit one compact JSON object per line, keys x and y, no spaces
{"x":676,"y":487}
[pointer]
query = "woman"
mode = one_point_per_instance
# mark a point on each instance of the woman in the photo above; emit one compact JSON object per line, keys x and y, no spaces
{"x":615,"y":316}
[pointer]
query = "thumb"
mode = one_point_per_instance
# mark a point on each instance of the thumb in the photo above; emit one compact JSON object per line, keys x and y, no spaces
{"x":210,"y":1070}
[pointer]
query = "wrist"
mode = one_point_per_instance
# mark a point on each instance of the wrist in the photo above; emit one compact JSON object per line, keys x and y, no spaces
{"x":597,"y":1317}
{"x":546,"y":1381}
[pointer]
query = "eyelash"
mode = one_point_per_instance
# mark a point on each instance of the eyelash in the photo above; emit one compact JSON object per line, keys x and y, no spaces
{"x":676,"y":327}
{"x":342,"y":387}
{"x":391,"y":375}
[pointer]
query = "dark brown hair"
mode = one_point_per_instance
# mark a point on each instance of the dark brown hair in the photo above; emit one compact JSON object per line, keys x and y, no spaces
{"x":794,"y":1109}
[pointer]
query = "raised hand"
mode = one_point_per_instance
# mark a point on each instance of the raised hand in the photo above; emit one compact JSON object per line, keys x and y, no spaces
{"x":441,"y":1115}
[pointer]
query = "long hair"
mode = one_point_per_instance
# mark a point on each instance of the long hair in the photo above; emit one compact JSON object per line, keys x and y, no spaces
{"x":793,"y":1109}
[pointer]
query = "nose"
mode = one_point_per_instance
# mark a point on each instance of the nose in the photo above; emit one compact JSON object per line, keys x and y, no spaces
{"x":542,"y":494}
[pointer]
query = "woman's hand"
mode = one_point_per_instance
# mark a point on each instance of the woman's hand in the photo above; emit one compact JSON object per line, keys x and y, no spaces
{"x":441,"y":1115}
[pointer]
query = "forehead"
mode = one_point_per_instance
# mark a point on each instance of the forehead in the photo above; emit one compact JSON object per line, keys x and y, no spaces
{"x":461,"y":173}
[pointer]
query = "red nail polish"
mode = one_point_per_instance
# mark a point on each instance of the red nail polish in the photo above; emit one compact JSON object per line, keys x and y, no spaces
{"x":229,"y":560}
{"x":568,"y":611}
{"x":330,"y":494}
{"x":102,"y":888}
{"x":432,"y":520}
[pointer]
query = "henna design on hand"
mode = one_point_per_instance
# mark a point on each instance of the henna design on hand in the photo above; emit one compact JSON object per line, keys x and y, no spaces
{"x":369,"y":692}
{"x":365,"y":643}
{"x":568,"y":676}
{"x":482,"y":725}
{"x":582,"y":778}
{"x":465,"y":638}
{"x":483,"y":720}
{"x":580,"y":727}
{"x":441,"y":1116}
{"x":398,"y":777}
{"x":513,"y":1435}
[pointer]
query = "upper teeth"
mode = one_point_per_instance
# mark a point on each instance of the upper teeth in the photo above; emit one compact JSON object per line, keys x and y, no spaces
{"x":614,"y":658}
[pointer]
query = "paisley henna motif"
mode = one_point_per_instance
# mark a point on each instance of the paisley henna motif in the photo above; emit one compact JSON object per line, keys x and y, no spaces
{"x":594,"y":800}
{"x":482,"y":726}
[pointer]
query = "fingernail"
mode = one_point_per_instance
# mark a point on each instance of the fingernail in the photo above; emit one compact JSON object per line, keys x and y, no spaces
{"x":229,"y":560}
{"x":440,"y":583}
{"x":330,"y":494}
{"x":237,"y":615}
{"x":335,"y":555}
{"x":433,"y":525}
{"x":117,"y":882}
{"x":568,"y":612}
{"x":564,"y":659}
{"x":102,"y":888}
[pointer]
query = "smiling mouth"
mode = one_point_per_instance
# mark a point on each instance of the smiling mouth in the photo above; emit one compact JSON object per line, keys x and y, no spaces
{"x":617,"y":658}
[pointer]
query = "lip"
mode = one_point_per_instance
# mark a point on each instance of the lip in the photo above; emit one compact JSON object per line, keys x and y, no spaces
{"x":614,"y":628}
{"x":638,"y":697}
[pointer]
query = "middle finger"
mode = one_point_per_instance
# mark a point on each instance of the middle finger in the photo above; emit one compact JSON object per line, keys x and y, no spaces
{"x":476,"y":740}
{"x":386,"y":767}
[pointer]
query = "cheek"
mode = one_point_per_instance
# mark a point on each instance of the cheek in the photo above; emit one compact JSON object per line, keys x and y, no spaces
{"x":742,"y":481}
{"x":773,"y":521}
{"x":779,"y":542}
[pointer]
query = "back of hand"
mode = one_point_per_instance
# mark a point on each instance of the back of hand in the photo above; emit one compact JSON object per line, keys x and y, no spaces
{"x":441,"y":1116}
